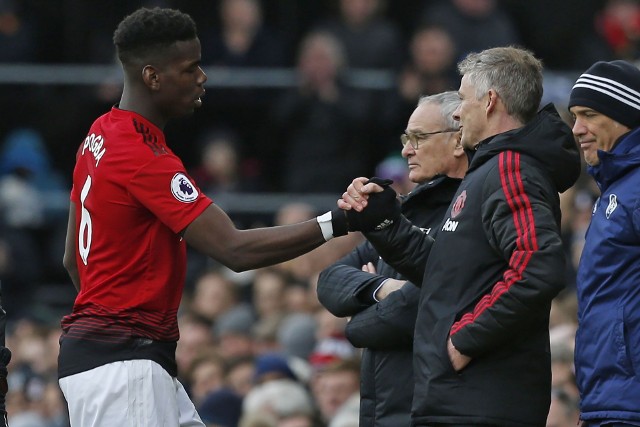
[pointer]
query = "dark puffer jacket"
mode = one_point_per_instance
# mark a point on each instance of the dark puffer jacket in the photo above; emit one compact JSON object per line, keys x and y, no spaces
{"x":384,"y":329}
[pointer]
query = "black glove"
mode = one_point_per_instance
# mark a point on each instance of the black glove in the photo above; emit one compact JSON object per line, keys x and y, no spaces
{"x":5,"y":357}
{"x":381,"y":211}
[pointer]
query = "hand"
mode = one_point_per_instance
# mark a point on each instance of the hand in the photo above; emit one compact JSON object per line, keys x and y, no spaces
{"x":458,"y":360}
{"x":390,"y":285}
{"x":357,"y":194}
{"x":369,"y":268}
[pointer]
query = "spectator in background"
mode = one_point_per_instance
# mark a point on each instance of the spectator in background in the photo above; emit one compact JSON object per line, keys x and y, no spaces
{"x":297,"y":335}
{"x":333,"y":386}
{"x":222,"y":168}
{"x":322,"y":118}
{"x":474,"y":25}
{"x":278,"y":398}
{"x":213,"y":296}
{"x":195,"y":335}
{"x":29,"y":217}
{"x":268,"y":293}
{"x":362,"y":286}
{"x":206,"y":374}
{"x":431,"y":67}
{"x":241,"y":39}
{"x":34,"y":398}
{"x":562,"y":33}
{"x":18,"y":34}
{"x":240,"y":374}
{"x":265,"y":334}
{"x":331,"y":343}
{"x":605,"y":103}
{"x":299,"y":298}
{"x":619,"y":23}
{"x":234,"y":332}
{"x":221,"y":408}
{"x":370,"y":40}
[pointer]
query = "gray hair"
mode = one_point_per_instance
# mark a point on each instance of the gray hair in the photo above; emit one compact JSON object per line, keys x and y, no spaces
{"x":280,"y":397}
{"x":448,"y":103}
{"x":514,"y":73}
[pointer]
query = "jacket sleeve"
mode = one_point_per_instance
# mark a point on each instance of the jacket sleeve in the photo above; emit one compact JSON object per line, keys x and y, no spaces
{"x":520,"y":217}
{"x":404,"y":247}
{"x":389,"y":324}
{"x":339,"y":284}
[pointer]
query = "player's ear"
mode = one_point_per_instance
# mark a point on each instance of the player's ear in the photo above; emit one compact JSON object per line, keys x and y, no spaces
{"x":150,"y":77}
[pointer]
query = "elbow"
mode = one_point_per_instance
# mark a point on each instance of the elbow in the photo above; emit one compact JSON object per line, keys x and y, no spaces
{"x":353,"y":337}
{"x":234,"y":260}
{"x":236,"y":267}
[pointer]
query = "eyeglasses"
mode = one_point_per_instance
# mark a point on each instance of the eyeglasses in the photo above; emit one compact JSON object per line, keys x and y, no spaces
{"x":415,"y":138}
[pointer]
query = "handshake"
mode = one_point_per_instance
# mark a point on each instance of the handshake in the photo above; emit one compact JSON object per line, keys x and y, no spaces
{"x":382,"y":209}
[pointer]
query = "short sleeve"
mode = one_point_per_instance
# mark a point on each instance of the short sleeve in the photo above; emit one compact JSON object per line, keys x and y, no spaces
{"x":163,"y":187}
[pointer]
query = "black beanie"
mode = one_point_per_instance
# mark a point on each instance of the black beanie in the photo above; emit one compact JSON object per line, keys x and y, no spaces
{"x":611,"y":88}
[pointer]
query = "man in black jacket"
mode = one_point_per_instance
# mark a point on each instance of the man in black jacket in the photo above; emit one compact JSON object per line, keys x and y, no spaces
{"x":361,"y":285}
{"x":481,"y":344}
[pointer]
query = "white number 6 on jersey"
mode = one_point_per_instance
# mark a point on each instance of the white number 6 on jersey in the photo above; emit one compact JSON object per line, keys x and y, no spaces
{"x":85,"y":224}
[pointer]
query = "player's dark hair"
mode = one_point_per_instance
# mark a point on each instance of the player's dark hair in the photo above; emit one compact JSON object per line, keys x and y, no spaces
{"x":147,"y":31}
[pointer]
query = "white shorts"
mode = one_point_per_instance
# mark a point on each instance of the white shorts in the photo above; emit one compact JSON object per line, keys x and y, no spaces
{"x":132,"y":393}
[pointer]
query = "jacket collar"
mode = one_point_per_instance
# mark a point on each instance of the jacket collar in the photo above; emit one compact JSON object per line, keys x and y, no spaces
{"x":624,"y":156}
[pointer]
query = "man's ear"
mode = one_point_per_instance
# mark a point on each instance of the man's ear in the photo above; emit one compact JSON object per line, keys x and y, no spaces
{"x":492,"y":101}
{"x":150,"y":77}
{"x":458,"y":150}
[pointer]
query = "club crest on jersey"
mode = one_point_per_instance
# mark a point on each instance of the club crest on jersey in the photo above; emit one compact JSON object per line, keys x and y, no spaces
{"x":182,"y":189}
{"x":459,"y":204}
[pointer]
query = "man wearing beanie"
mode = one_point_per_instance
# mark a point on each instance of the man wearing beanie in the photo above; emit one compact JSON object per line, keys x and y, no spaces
{"x":605,"y":103}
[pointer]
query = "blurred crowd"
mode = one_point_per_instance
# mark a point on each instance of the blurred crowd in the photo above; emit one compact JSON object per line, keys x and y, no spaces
{"x":256,"y":348}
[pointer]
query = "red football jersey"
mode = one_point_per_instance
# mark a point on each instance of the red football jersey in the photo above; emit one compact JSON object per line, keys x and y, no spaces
{"x":133,"y":197}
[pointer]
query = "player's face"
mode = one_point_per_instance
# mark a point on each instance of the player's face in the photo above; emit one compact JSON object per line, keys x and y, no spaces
{"x":595,"y":131}
{"x":182,"y":80}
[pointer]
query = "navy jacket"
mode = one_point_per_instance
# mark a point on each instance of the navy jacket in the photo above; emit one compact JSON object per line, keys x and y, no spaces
{"x":488,"y":280}
{"x":607,"y":353}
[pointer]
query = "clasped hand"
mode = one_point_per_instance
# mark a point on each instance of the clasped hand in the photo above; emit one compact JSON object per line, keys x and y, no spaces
{"x":357,"y":194}
{"x":383,"y":208}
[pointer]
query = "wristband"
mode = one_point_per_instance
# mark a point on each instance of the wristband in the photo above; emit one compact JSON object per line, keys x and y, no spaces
{"x":324,"y":221}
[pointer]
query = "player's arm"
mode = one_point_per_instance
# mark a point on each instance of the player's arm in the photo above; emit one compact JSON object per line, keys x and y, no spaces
{"x":69,"y":259}
{"x":214,"y":234}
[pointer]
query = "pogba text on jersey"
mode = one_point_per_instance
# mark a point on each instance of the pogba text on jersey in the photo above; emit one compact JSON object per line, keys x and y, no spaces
{"x":94,"y":143}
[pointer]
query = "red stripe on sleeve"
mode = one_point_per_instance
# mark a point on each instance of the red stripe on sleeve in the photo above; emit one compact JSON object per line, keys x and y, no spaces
{"x":526,"y":240}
